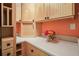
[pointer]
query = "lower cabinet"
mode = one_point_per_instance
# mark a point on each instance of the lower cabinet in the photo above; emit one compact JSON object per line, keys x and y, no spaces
{"x":27,"y":49}
{"x":33,"y":51}
{"x":20,"y":49}
{"x":7,"y":46}
{"x":8,"y":52}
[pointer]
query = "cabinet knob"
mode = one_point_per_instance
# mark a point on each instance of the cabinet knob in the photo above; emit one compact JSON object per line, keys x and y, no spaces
{"x":8,"y":54}
{"x":8,"y":44}
{"x":32,"y":50}
{"x":46,"y":17}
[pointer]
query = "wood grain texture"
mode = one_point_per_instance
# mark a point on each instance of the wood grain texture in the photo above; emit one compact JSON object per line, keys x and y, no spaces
{"x":33,"y":51}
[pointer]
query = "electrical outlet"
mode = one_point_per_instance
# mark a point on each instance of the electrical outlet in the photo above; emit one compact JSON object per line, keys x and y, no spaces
{"x":72,"y":26}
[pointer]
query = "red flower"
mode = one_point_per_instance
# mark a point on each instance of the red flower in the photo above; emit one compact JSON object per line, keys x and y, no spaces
{"x":49,"y":32}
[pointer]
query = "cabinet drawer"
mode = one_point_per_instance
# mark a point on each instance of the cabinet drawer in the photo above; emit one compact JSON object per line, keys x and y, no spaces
{"x":33,"y":51}
{"x":7,"y":43}
{"x":8,"y":52}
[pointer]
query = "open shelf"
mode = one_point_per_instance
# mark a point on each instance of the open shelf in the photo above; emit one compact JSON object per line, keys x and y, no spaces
{"x":5,"y":16}
{"x":19,"y":49}
{"x":10,"y":17}
{"x":7,"y":5}
{"x":18,"y":53}
{"x":25,"y":22}
{"x":18,"y":46}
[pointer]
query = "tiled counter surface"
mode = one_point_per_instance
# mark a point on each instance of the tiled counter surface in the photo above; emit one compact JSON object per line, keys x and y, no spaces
{"x":63,"y":48}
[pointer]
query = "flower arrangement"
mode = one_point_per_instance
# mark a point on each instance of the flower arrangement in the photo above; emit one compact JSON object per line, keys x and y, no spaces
{"x":51,"y":36}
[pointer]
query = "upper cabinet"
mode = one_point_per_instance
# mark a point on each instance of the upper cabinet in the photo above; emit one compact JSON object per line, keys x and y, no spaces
{"x":61,"y":10}
{"x":18,"y":11}
{"x":47,"y":10}
{"x":39,"y":12}
{"x":28,"y":12}
{"x":53,"y":10}
{"x":42,"y":11}
{"x":7,"y":17}
{"x":76,"y":5}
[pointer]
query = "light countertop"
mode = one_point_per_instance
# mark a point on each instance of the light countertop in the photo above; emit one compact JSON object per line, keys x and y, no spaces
{"x":63,"y":48}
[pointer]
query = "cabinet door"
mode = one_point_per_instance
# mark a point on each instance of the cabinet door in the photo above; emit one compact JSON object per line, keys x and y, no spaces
{"x":27,"y":30}
{"x":47,"y":10}
{"x":61,"y":10}
{"x":18,"y":11}
{"x":33,"y":51}
{"x":27,"y":12}
{"x":76,"y":10}
{"x":7,"y":14}
{"x":39,"y":12}
{"x":5,"y":18}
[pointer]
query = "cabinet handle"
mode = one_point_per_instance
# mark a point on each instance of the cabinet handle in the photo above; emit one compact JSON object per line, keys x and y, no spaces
{"x":45,"y":17}
{"x":8,"y":54}
{"x":8,"y":44}
{"x":32,"y":50}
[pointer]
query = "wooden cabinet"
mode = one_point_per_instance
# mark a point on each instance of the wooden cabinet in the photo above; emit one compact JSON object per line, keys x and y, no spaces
{"x":61,"y":10}
{"x":18,"y":11}
{"x":39,"y":11}
{"x":7,"y":43}
{"x":33,"y":51}
{"x":28,"y":12}
{"x":42,"y":11}
{"x":7,"y":29}
{"x":8,"y":52}
{"x":53,"y":10}
{"x":7,"y":14}
{"x":26,"y":49}
{"x":20,"y":49}
{"x":76,"y":6}
{"x":47,"y":10}
{"x":27,"y":29}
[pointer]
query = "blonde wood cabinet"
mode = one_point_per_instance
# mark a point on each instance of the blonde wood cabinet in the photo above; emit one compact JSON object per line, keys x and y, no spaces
{"x":53,"y":10}
{"x":8,"y":52}
{"x":27,"y":29}
{"x":61,"y":9}
{"x":7,"y":14}
{"x":7,"y":29}
{"x":39,"y":11}
{"x":7,"y":43}
{"x":20,"y":49}
{"x":33,"y":51}
{"x":27,"y":49}
{"x":28,"y":11}
{"x":47,"y":10}
{"x":18,"y":11}
{"x":27,"y":19}
{"x":42,"y":11}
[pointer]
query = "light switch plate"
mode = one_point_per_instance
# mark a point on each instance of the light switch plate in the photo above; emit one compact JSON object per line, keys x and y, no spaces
{"x":72,"y":26}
